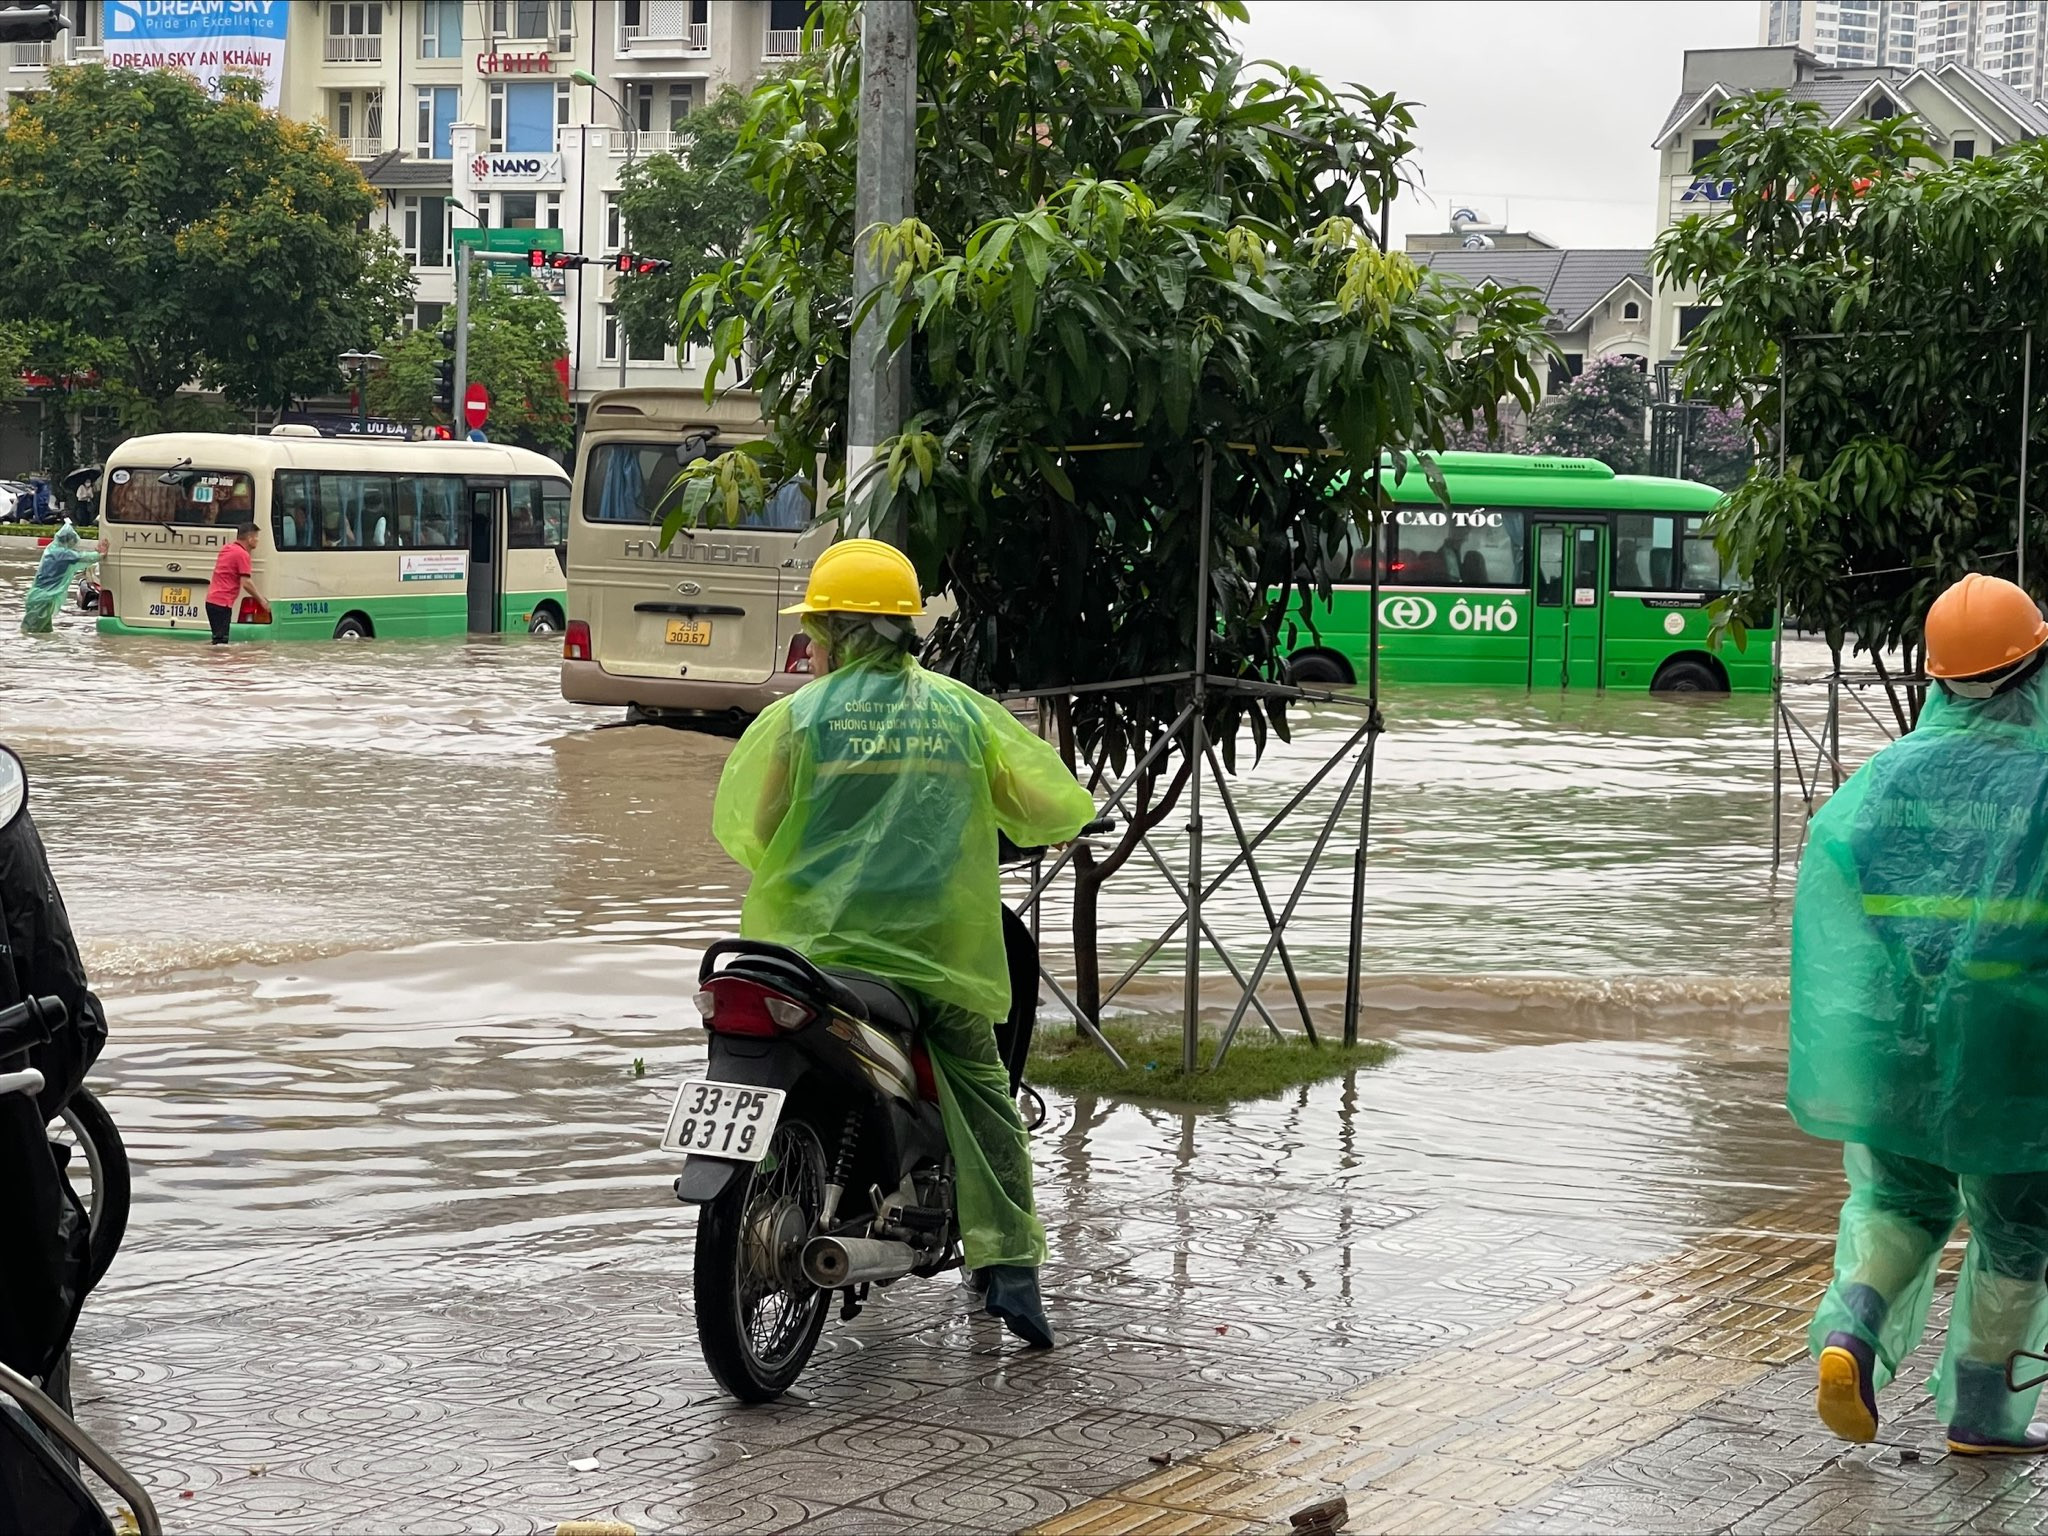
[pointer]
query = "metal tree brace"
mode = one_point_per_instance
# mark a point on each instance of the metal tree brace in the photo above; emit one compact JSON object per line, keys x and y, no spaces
{"x":1188,"y":731}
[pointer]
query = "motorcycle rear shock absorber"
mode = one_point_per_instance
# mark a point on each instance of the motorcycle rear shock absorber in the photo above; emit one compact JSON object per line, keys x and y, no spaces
{"x":842,"y":1170}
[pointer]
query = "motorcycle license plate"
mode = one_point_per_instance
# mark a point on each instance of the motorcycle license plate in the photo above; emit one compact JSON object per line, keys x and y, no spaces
{"x":723,"y":1120}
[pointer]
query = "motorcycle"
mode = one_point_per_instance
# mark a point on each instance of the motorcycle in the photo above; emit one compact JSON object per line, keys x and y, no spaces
{"x":815,"y":1152}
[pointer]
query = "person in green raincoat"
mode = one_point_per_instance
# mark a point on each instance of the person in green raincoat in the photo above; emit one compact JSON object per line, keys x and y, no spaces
{"x":62,"y":560}
{"x":1919,"y":1030}
{"x":867,"y":804}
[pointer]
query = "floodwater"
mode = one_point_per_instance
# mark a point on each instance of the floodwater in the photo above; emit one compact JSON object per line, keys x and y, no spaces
{"x":385,"y":930}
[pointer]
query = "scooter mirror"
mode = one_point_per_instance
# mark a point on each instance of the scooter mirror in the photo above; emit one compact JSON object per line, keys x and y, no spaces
{"x":13,"y":788}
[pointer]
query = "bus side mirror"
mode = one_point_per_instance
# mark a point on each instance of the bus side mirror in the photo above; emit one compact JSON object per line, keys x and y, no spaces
{"x":13,"y":788}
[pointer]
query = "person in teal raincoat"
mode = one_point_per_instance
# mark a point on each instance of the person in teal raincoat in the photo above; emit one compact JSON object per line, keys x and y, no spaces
{"x":62,"y":560}
{"x":867,"y":804}
{"x":1919,"y":1029}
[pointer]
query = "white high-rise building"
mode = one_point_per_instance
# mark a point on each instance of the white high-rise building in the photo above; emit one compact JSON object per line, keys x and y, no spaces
{"x":1845,"y":31}
{"x":2005,"y":39}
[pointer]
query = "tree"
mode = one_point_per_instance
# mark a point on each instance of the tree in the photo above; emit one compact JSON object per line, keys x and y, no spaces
{"x":158,"y":237}
{"x":1878,"y":300}
{"x":1718,"y":449}
{"x":516,"y":340}
{"x":1132,"y":252}
{"x":692,"y":208}
{"x":1601,"y":415}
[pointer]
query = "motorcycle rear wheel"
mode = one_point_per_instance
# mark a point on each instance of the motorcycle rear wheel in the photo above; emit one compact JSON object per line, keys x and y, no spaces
{"x":758,"y":1317}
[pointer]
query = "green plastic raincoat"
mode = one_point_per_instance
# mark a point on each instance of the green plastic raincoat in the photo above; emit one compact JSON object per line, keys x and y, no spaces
{"x":62,"y":560}
{"x":867,"y":805}
{"x":1920,"y":1040}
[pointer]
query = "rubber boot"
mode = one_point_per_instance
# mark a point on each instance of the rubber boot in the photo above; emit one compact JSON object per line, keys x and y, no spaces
{"x":1013,"y":1297}
{"x":1982,"y":1398}
{"x":1846,"y":1398}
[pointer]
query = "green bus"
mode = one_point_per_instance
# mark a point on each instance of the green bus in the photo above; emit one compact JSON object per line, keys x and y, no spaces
{"x":1540,"y":573}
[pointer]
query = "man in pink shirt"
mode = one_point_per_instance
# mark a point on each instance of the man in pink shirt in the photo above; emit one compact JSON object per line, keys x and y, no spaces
{"x":231,"y":583}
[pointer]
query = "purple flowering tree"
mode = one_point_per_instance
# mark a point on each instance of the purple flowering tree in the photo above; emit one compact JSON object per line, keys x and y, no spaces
{"x":1601,"y":415}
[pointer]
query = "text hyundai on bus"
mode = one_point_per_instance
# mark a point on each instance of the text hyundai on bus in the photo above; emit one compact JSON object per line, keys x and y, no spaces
{"x":1540,"y":573}
{"x":360,"y":537}
{"x":696,"y":628}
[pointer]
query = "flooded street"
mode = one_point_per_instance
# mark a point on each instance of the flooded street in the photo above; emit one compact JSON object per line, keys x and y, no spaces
{"x":388,"y":934}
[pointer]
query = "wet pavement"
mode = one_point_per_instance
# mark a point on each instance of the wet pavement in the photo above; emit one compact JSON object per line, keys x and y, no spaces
{"x":398,"y":949}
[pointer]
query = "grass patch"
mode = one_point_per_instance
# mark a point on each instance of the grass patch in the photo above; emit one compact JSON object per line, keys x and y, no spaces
{"x":1258,"y":1066}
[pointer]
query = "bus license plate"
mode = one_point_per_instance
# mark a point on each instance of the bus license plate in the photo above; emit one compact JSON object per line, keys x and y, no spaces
{"x":689,"y":631}
{"x":178,"y":595}
{"x":723,"y":1120}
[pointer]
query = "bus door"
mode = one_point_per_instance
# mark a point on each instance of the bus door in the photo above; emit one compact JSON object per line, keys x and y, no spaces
{"x":486,"y":555}
{"x":1565,"y":639}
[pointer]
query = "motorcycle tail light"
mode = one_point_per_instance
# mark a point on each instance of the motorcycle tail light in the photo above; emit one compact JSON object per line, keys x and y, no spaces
{"x":734,"y":1007}
{"x":106,"y":602}
{"x":789,"y":1014}
{"x":576,"y":645}
{"x":799,"y":658}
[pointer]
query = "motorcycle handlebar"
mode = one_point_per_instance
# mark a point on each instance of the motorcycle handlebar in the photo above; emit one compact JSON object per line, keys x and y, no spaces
{"x":29,"y":1023}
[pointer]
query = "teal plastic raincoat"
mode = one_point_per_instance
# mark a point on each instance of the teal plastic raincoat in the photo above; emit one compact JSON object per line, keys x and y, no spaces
{"x":1920,"y":944}
{"x":61,"y":562}
{"x":867,"y":805}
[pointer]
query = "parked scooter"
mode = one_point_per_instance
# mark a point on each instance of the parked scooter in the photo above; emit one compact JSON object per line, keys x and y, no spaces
{"x":816,"y":1152}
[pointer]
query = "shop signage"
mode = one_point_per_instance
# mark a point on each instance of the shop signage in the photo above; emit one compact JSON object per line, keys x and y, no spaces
{"x":515,"y":170}
{"x":207,"y":39}
{"x":542,"y":63}
{"x":1709,"y":189}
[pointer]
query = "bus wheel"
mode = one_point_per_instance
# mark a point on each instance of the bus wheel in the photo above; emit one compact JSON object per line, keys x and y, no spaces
{"x":1317,"y":667}
{"x":354,"y":627}
{"x":545,"y":621}
{"x":1684,"y":675}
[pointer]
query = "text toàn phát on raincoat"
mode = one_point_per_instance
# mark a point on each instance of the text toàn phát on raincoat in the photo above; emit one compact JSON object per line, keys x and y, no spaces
{"x":1920,"y":944}
{"x":62,"y":560}
{"x":867,"y":805}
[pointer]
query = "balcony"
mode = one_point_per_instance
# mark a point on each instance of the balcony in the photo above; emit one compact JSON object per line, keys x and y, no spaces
{"x":649,"y":141}
{"x":31,"y":55}
{"x":783,"y":43}
{"x":640,"y":40}
{"x":353,"y":48}
{"x":364,"y":146}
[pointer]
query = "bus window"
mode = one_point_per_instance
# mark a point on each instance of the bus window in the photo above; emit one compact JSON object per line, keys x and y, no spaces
{"x":1461,"y":547}
{"x":430,"y":512}
{"x":554,"y":513}
{"x":522,"y":515}
{"x":630,"y":482}
{"x":1549,"y":566}
{"x":209,"y":498}
{"x":1663,"y":553}
{"x":787,"y":509}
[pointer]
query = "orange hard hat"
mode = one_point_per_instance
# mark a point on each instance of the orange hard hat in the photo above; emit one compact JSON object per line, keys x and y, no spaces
{"x":1982,"y":625}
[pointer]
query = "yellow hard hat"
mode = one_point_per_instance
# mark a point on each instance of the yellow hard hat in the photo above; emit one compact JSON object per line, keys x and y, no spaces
{"x":862,"y":576}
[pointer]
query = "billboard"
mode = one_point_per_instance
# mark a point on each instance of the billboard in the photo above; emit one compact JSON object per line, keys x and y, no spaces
{"x":203,"y":38}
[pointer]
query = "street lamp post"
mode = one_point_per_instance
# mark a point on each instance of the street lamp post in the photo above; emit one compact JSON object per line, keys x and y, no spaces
{"x":362,"y":362}
{"x":462,"y":301}
{"x":585,"y":77}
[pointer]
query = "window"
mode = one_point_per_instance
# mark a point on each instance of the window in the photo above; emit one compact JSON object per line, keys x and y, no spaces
{"x":1663,"y":553}
{"x":1458,"y":547}
{"x":555,"y":19}
{"x":614,"y":225}
{"x":1966,"y":149}
{"x":428,"y":317}
{"x":322,"y":510}
{"x":358,"y":119}
{"x":441,"y":29}
{"x":206,"y":497}
{"x":518,"y":210}
{"x":1701,"y":148}
{"x":661,"y":106}
{"x":423,"y":232}
{"x":537,"y":514}
{"x":637,"y":351}
{"x":355,"y":31}
{"x":524,"y":117}
{"x":630,"y":483}
{"x":1631,"y":310}
{"x":87,"y":18}
{"x":1690,"y":316}
{"x":785,"y":28}
{"x":1567,"y":368}
{"x":431,"y":136}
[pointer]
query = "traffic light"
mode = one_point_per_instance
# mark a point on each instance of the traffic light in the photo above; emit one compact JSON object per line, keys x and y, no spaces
{"x":557,"y":261}
{"x":444,"y":377}
{"x":31,"y":23}
{"x":643,"y":266}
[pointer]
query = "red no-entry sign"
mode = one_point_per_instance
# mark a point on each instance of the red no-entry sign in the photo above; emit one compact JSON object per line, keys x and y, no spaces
{"x":476,"y":405}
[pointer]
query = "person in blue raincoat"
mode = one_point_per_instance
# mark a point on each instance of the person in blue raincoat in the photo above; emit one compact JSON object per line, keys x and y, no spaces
{"x":1919,"y":1030}
{"x":62,"y":560}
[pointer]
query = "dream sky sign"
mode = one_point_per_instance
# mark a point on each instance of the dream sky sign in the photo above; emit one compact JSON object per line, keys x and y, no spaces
{"x":202,"y":38}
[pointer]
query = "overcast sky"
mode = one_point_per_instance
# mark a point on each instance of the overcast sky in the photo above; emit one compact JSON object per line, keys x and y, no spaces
{"x":1537,"y":112}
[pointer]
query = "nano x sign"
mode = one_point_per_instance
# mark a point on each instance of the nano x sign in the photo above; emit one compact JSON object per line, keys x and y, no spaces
{"x":206,"y":39}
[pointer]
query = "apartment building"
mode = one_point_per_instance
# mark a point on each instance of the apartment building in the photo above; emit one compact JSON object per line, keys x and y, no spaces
{"x":466,"y":112}
{"x":2006,"y":39}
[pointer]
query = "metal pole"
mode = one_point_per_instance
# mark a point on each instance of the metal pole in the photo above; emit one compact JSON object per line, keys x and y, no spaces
{"x":1354,"y":948}
{"x":1778,"y":668}
{"x":463,"y":254}
{"x":1197,"y":751}
{"x":2026,"y":415}
{"x":878,"y":385}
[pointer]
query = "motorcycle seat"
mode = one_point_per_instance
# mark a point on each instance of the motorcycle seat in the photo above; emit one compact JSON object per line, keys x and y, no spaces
{"x":889,"y":1006}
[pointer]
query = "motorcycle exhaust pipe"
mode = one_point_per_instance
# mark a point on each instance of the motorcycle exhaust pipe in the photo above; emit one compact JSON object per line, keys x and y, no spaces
{"x":832,"y":1263}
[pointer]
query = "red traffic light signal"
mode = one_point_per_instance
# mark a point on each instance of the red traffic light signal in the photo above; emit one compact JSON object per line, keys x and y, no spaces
{"x":644,"y":266}
{"x":536,"y":258}
{"x":556,"y":261}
